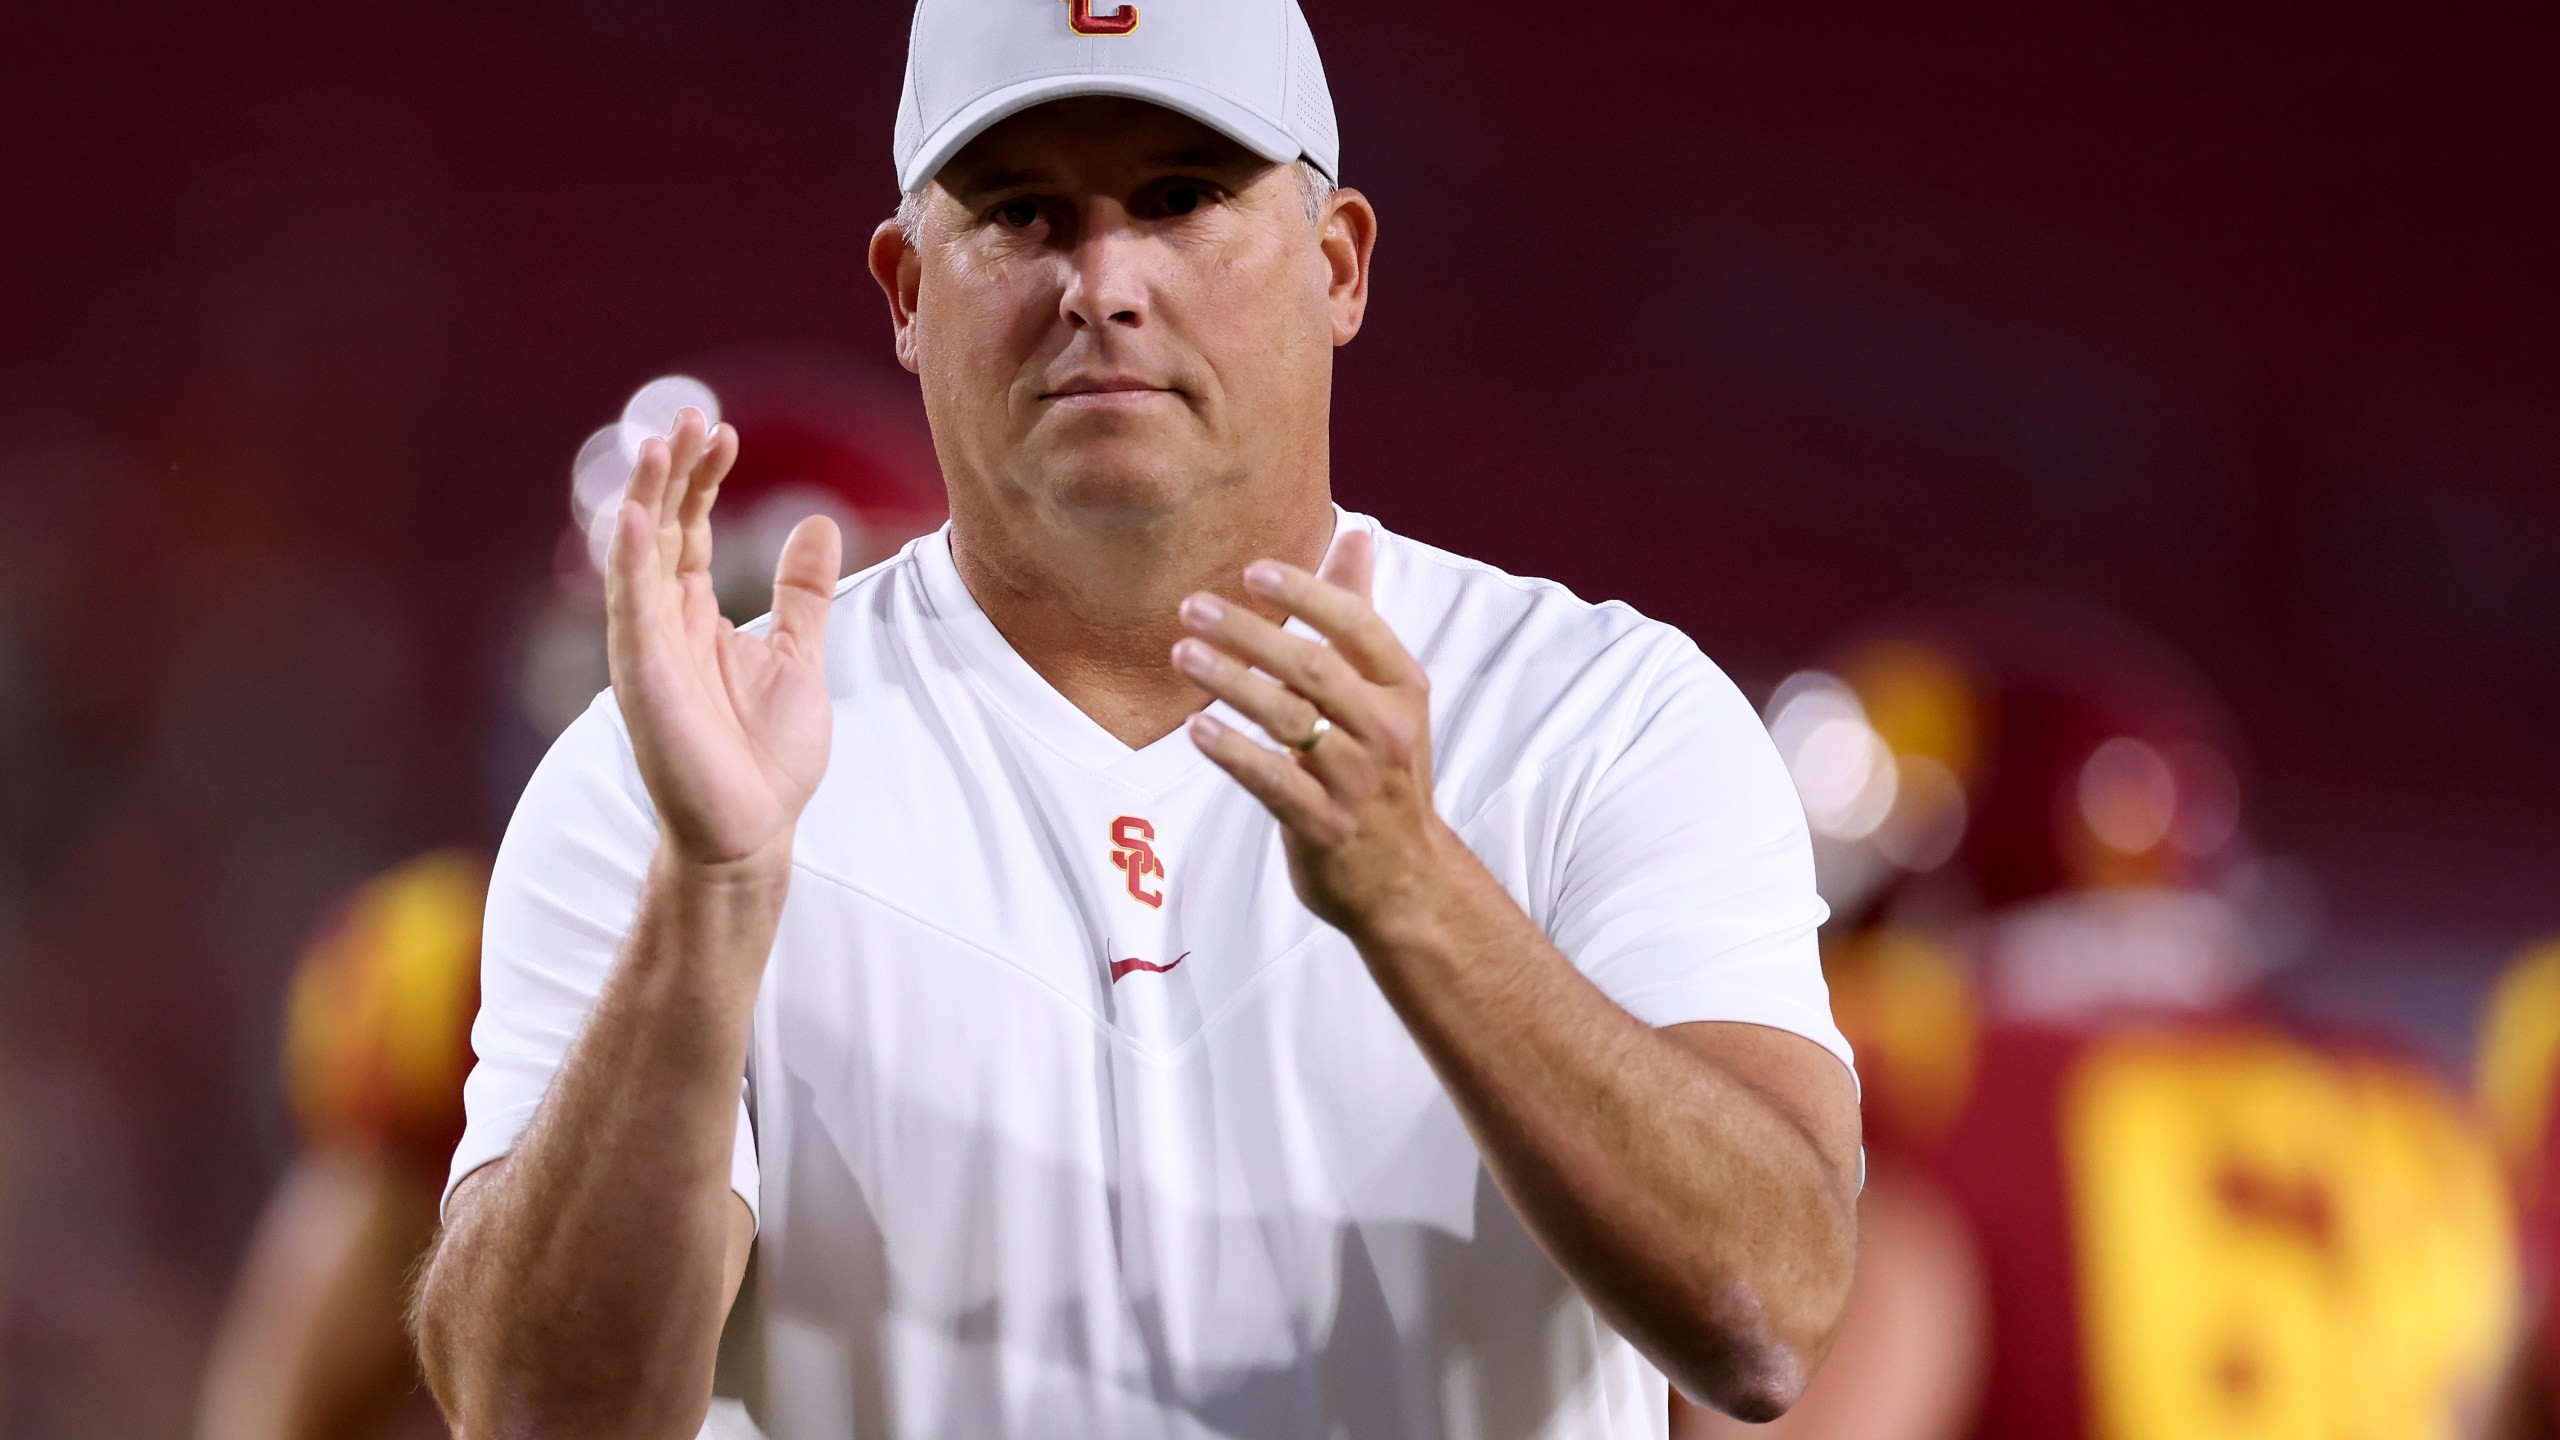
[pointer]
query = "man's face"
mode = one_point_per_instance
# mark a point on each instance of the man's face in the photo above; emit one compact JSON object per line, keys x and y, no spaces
{"x":1115,"y":309}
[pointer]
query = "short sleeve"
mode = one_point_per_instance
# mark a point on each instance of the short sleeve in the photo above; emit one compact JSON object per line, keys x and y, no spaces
{"x":1686,"y":887}
{"x":562,"y":895}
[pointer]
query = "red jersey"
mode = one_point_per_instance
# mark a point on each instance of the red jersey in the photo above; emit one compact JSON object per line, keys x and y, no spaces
{"x":2197,"y":1227}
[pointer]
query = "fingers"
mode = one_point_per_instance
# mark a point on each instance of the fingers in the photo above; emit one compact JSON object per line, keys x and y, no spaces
{"x":1285,"y":715}
{"x":636,"y":588}
{"x":674,"y":482}
{"x":647,"y":488}
{"x":804,"y":584}
{"x":684,"y":457}
{"x":693,"y":517}
{"x":1294,"y":797}
{"x":1340,"y":613}
{"x":1349,"y":562}
{"x":630,"y":562}
{"x":1317,"y":672}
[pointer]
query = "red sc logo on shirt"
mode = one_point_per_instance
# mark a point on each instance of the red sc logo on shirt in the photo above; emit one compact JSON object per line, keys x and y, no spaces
{"x":1082,"y":20}
{"x":1131,"y":851}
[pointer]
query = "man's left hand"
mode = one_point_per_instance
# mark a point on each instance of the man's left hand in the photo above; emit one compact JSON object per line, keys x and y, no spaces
{"x":1352,"y":785}
{"x":1697,"y":1183}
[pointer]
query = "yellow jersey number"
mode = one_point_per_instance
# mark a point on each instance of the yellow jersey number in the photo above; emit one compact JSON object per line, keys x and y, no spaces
{"x":2277,"y":1244}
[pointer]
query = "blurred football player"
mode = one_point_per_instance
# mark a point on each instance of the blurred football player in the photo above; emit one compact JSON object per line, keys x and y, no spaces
{"x":377,"y":1036}
{"x":2112,"y":1194}
{"x":377,"y":1041}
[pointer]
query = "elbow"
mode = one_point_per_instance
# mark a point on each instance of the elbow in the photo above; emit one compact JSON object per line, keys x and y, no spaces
{"x":1752,"y":1359}
{"x":1750,"y":1382}
{"x":494,"y":1375}
{"x":456,"y":1369}
{"x":1762,"y":1395}
{"x":480,"y":1407}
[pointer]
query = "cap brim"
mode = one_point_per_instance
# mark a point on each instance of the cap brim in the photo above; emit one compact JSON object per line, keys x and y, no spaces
{"x":1252,"y":131}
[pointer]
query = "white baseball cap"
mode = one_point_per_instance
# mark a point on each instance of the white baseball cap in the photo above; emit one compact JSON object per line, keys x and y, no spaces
{"x":1244,"y":67}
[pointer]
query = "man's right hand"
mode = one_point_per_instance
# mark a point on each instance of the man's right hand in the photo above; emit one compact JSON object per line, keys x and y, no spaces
{"x":582,"y":1281}
{"x":730,"y":729}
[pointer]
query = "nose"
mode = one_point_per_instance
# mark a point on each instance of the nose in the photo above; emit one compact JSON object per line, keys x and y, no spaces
{"x":1106,"y":282}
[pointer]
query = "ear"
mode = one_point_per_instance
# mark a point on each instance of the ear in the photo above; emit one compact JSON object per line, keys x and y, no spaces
{"x":1348,"y":232}
{"x":899,"y":269}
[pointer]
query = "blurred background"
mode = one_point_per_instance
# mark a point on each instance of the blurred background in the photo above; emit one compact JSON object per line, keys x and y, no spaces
{"x":1768,"y":322}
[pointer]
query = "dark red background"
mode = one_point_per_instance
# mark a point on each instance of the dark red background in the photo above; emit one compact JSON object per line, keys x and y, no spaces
{"x":1762,"y":319}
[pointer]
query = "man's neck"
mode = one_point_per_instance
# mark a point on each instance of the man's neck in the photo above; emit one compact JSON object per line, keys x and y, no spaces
{"x":1092,"y":608}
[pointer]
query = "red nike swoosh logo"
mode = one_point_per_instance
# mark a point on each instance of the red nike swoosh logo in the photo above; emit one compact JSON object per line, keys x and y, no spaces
{"x":1123,"y":967}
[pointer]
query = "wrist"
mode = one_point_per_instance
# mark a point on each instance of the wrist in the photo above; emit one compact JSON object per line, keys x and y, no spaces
{"x":713,"y":920}
{"x":1422,"y":911}
{"x":764,"y":871}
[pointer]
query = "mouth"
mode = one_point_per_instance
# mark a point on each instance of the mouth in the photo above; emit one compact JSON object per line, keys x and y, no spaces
{"x":1104,"y":390}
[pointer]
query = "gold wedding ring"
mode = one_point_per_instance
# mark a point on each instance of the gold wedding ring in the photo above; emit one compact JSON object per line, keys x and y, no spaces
{"x":1323,"y":727}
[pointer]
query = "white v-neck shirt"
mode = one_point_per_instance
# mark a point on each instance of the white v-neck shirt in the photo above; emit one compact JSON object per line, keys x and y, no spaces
{"x":1009,"y":1184}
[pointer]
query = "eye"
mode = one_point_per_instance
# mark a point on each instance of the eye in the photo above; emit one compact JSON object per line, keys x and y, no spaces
{"x":1174,"y":198}
{"x":1018,"y":214}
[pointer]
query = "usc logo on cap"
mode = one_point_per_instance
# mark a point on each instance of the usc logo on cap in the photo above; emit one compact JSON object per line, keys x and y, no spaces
{"x":1082,"y":20}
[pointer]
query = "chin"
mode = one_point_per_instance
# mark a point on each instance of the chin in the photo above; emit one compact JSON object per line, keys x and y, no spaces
{"x":1135,"y":483}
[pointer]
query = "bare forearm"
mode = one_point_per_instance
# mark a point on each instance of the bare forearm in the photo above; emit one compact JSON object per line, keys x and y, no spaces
{"x":1710,"y":1226}
{"x":581,"y":1286}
